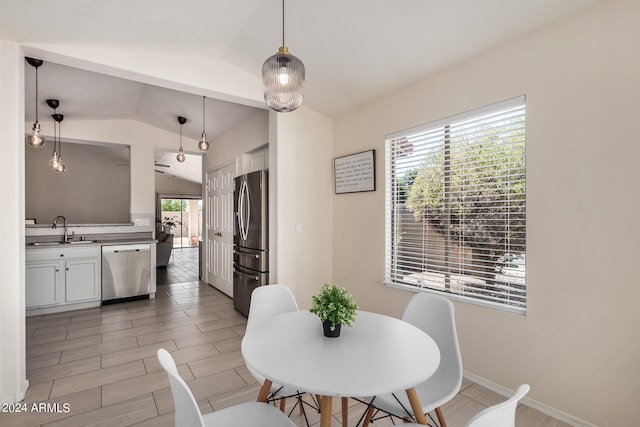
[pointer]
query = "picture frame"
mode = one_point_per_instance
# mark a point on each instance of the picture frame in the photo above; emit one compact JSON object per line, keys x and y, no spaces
{"x":355,"y":173}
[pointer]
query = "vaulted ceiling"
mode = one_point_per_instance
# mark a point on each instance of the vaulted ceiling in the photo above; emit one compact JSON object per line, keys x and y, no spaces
{"x":354,"y":50}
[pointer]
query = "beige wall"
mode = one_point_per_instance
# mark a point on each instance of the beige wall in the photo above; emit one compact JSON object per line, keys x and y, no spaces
{"x":579,"y":344}
{"x":304,"y":181}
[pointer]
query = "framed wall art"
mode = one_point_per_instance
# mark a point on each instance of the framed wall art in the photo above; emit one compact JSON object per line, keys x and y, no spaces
{"x":355,"y":173}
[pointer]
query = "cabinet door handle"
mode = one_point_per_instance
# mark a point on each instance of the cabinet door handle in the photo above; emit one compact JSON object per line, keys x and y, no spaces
{"x":67,"y":268}
{"x":61,"y":255}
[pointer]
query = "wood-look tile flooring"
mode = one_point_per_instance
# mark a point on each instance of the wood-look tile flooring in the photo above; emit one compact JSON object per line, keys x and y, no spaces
{"x":182,"y":267}
{"x":102,"y":363}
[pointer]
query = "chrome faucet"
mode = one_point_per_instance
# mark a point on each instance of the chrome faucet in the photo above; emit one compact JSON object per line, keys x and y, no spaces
{"x":67,"y":237}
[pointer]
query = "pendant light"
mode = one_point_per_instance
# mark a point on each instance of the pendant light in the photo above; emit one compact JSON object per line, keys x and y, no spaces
{"x":283,"y":78}
{"x":56,"y":164}
{"x":35,"y":139}
{"x":203,"y":145}
{"x":180,"y":157}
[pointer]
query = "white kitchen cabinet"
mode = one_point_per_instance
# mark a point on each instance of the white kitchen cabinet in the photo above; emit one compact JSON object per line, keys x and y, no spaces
{"x":82,"y":280}
{"x":256,"y":161}
{"x":61,"y":279}
{"x":43,"y":284}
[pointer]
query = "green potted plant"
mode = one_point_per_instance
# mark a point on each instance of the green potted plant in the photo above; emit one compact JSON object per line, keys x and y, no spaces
{"x":335,"y":307}
{"x":169,"y":223}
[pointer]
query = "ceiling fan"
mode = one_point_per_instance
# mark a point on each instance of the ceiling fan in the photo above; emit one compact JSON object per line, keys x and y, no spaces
{"x":160,"y":165}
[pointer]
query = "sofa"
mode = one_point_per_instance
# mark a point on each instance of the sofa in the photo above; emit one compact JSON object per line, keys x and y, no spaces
{"x":163,"y":248}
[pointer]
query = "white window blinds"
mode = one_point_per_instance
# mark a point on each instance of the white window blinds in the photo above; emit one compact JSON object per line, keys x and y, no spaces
{"x":456,"y":206}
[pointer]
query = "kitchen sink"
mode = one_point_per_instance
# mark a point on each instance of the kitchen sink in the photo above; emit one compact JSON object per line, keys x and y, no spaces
{"x":47,"y":243}
{"x":76,"y":242}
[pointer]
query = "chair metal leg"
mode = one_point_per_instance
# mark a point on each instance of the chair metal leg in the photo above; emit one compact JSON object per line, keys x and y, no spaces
{"x":443,"y":423}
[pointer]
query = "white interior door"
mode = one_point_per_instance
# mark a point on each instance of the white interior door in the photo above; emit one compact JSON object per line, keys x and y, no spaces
{"x":220,"y":229}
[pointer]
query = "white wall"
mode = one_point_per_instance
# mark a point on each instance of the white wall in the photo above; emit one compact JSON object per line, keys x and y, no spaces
{"x":94,"y":189}
{"x":13,"y":382}
{"x":304,"y":183}
{"x":228,"y":147}
{"x":143,"y":139}
{"x":579,"y":344}
{"x":165,"y":183}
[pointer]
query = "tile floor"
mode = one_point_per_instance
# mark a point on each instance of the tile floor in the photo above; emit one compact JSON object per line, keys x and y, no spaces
{"x":182,"y":267}
{"x":101,"y":363}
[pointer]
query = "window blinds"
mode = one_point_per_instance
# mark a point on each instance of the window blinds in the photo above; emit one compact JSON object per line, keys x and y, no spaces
{"x":456,"y":206}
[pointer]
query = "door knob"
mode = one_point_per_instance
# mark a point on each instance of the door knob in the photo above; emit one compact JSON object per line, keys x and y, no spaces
{"x":219,"y":234}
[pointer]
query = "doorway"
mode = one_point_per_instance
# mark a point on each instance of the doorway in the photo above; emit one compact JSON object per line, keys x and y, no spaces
{"x":181,"y":217}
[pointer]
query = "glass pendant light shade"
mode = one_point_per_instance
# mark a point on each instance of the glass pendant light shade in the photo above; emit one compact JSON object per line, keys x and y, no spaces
{"x":35,"y":139}
{"x":56,"y":164}
{"x":283,"y":78}
{"x":203,"y":145}
{"x":180,"y":157}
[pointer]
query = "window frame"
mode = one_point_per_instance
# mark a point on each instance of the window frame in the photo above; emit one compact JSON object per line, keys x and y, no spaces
{"x":392,"y":190}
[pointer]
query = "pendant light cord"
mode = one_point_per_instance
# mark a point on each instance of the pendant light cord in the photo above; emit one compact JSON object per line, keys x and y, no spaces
{"x":37,"y":93}
{"x":59,"y":141}
{"x":282,"y":22}
{"x":55,"y":139}
{"x":204,"y":126}
{"x":181,"y":136}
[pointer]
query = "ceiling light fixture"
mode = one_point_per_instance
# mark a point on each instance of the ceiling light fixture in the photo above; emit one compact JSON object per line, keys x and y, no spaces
{"x":203,"y":145}
{"x":35,"y":139}
{"x":56,"y":164}
{"x":283,"y":78}
{"x":180,"y":157}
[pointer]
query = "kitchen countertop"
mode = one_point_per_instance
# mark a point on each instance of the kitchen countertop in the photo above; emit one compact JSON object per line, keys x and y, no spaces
{"x":79,"y":244}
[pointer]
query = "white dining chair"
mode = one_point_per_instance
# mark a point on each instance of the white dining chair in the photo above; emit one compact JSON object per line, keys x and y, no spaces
{"x":268,"y":301}
{"x":435,"y":315}
{"x":500,"y":415}
{"x":187,"y":413}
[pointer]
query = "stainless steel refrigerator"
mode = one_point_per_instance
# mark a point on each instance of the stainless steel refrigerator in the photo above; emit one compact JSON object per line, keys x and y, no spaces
{"x":250,"y":237}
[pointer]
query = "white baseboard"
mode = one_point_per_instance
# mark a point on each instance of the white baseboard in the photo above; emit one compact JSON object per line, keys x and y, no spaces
{"x":545,"y":409}
{"x":18,"y":397}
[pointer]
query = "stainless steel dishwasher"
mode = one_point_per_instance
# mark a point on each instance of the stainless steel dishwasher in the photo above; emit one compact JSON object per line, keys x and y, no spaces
{"x":126,"y":272}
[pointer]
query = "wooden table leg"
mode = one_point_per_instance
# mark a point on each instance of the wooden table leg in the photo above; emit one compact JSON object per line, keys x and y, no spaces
{"x":264,"y":391}
{"x":416,"y":407}
{"x":345,"y":412}
{"x":325,"y":411}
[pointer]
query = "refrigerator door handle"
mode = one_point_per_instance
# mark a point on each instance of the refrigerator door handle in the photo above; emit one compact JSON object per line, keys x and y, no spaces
{"x":242,"y":273}
{"x":256,"y":256}
{"x":248,"y":217}
{"x":241,"y":210}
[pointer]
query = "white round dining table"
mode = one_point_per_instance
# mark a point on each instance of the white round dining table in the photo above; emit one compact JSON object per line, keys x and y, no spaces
{"x":376,"y":355}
